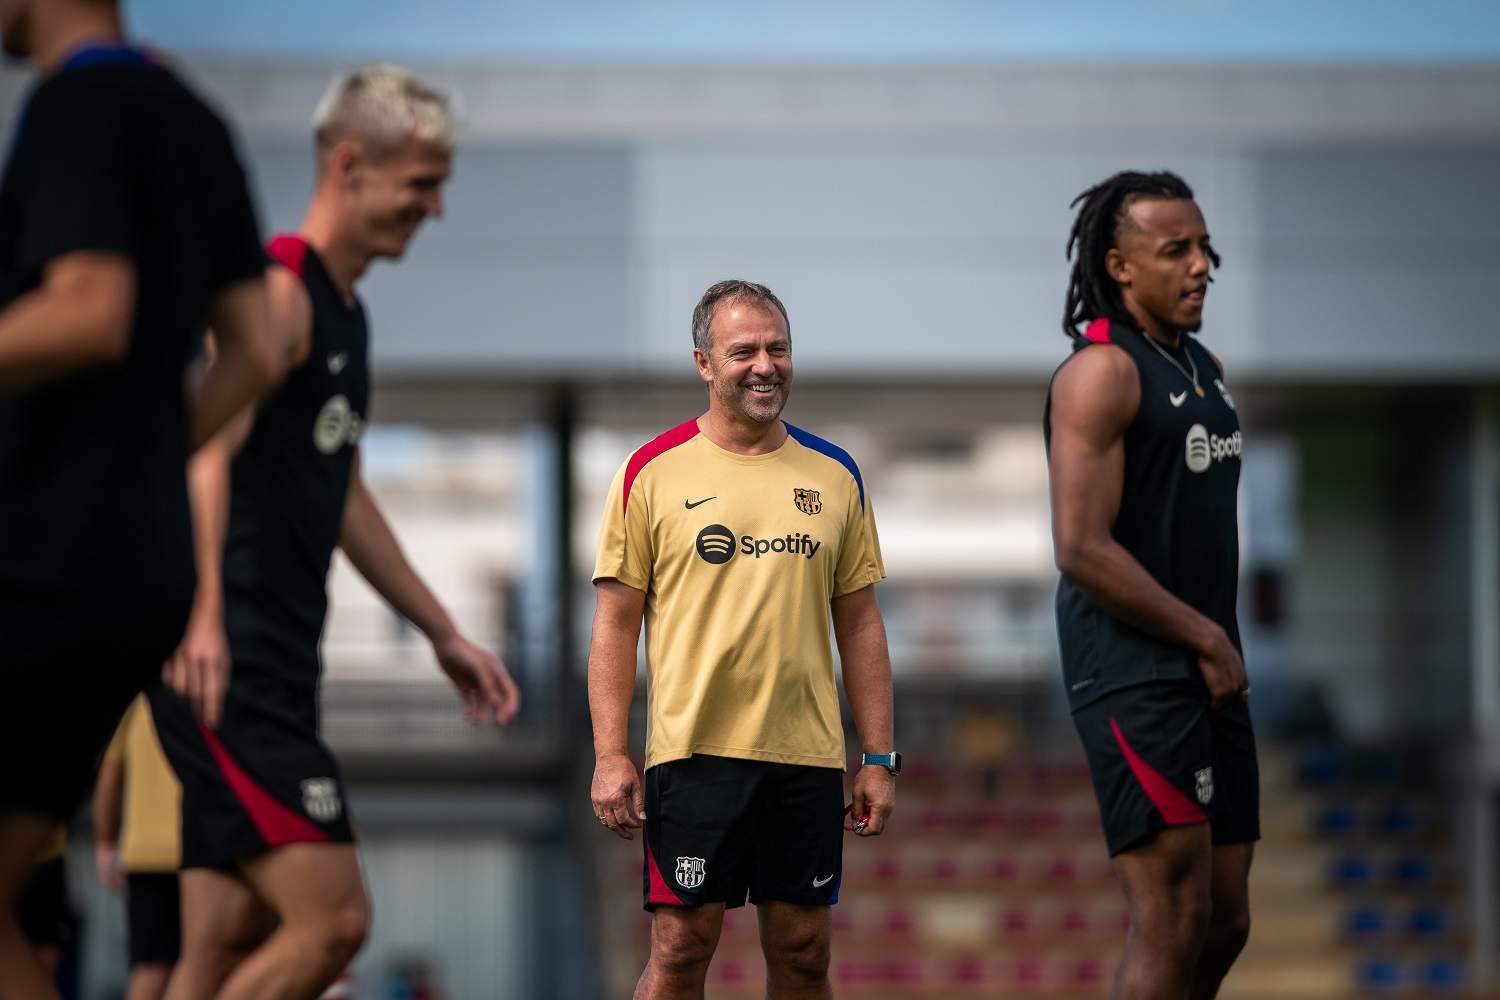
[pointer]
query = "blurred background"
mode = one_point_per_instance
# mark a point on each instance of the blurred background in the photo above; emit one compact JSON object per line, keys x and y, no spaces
{"x":900,"y":174}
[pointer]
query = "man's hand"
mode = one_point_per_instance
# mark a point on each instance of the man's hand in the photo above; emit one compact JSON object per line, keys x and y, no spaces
{"x":619,"y":799}
{"x":199,"y":670}
{"x":874,"y":800}
{"x":107,"y":862}
{"x":1223,"y":671}
{"x":481,"y":679}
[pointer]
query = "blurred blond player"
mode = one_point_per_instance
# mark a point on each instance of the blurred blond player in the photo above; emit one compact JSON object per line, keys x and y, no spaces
{"x":266,"y":821}
{"x":137,"y":846}
{"x":737,"y":536}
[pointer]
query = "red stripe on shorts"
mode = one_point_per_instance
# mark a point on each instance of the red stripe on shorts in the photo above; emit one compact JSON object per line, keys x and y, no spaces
{"x":277,"y":824}
{"x":660,"y":891}
{"x":1177,"y":809}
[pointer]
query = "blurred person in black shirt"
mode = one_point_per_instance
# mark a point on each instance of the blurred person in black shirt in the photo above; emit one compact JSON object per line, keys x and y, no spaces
{"x":125,"y":228}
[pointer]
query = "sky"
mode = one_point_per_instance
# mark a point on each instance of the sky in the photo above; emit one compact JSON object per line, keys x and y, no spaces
{"x":970,"y":31}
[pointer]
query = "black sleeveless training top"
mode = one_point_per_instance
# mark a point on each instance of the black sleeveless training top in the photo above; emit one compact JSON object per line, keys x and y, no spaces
{"x":1177,"y":516}
{"x":289,"y":483}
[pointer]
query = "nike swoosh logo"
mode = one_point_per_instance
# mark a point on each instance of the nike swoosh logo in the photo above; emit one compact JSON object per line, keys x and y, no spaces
{"x":1177,"y":397}
{"x":820,"y":883}
{"x":690,"y":504}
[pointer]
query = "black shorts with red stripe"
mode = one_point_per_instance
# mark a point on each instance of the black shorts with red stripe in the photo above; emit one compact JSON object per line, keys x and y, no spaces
{"x":262,"y":779}
{"x":721,"y":829}
{"x":1161,"y":756}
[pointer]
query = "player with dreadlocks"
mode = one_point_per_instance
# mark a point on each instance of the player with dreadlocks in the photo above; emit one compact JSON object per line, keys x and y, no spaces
{"x":1144,"y":452}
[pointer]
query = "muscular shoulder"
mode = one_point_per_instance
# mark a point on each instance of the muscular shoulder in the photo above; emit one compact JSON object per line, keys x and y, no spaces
{"x":1098,"y":386}
{"x":291,"y":312}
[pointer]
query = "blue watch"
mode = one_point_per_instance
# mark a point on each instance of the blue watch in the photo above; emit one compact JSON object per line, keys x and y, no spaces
{"x":890,"y":761}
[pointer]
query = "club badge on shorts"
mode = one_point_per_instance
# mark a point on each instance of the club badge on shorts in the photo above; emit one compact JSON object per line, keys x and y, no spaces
{"x":1205,"y":785}
{"x":690,"y":872}
{"x":320,"y":799}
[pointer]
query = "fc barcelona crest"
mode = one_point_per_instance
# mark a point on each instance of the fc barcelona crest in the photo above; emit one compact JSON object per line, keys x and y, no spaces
{"x":806,"y":500}
{"x":320,"y":798}
{"x":1205,"y":789}
{"x":690,"y":872}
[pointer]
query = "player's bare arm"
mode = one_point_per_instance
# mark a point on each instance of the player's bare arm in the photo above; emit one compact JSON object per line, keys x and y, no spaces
{"x":1094,"y":400}
{"x":367,"y":539}
{"x":249,"y":359}
{"x":199,"y":669}
{"x":616,"y":790}
{"x":78,"y":317}
{"x":860,"y":633}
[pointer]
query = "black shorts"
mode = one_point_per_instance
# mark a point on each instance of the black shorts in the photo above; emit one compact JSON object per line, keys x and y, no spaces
{"x":43,"y":909}
{"x":1161,"y":756}
{"x":154,"y":907}
{"x":719,"y":828}
{"x":261,"y":780}
{"x":69,"y":669}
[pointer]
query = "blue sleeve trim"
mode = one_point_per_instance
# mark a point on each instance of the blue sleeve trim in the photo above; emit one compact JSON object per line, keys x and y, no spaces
{"x":833,"y":451}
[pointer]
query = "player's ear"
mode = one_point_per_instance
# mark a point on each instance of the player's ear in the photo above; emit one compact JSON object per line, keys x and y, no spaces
{"x":705,"y":372}
{"x":344,"y":162}
{"x":1117,"y":267}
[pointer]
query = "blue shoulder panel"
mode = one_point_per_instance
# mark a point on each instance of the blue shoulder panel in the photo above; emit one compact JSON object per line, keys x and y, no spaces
{"x":833,"y":451}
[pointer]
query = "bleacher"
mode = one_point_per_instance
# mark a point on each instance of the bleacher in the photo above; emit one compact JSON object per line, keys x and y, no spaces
{"x":993,"y":881}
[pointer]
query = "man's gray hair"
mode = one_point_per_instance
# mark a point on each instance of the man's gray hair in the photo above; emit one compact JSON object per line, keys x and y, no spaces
{"x":733,"y":290}
{"x":387,"y":104}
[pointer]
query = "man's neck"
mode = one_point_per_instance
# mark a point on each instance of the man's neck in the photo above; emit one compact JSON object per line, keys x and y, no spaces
{"x":55,"y":38}
{"x":1158,"y":331}
{"x":344,"y":262}
{"x":739,"y":436}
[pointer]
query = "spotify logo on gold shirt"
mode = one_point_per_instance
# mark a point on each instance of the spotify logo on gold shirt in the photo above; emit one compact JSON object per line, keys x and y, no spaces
{"x":716,"y":544}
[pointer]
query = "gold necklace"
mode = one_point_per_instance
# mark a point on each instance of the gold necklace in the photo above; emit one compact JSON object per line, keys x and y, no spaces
{"x":1193,"y":378}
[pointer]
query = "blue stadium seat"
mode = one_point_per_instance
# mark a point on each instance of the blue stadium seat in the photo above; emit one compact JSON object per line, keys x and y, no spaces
{"x":1368,"y":921}
{"x":1378,"y":974}
{"x":1413,"y":871}
{"x":1320,"y":767}
{"x":1443,"y":974}
{"x":1400,"y":819}
{"x":1351,"y":871}
{"x":1429,"y":921}
{"x":1335,"y":820}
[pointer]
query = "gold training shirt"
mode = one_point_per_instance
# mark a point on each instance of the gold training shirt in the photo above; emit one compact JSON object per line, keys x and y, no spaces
{"x":739,"y":556}
{"x":150,"y":839}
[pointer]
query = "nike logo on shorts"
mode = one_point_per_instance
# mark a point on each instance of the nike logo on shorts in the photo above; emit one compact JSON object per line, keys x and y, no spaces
{"x":690,"y":504}
{"x":820,"y":883}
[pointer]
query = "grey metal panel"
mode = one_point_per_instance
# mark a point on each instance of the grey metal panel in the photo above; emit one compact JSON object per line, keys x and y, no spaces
{"x":913,"y":217}
{"x":1380,"y":260}
{"x":891,"y":257}
{"x":530,"y":265}
{"x":459,"y":904}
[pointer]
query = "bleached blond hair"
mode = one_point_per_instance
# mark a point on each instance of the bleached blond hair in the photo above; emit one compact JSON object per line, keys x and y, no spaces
{"x":385,"y":105}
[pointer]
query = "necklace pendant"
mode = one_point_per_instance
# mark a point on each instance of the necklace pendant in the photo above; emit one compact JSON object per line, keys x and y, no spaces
{"x":1198,"y":389}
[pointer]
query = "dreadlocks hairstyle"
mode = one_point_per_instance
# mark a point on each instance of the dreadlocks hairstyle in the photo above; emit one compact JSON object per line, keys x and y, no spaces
{"x":1092,"y":293}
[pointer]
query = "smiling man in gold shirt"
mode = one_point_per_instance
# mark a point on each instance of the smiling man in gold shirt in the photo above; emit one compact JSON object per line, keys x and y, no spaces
{"x":739,"y":539}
